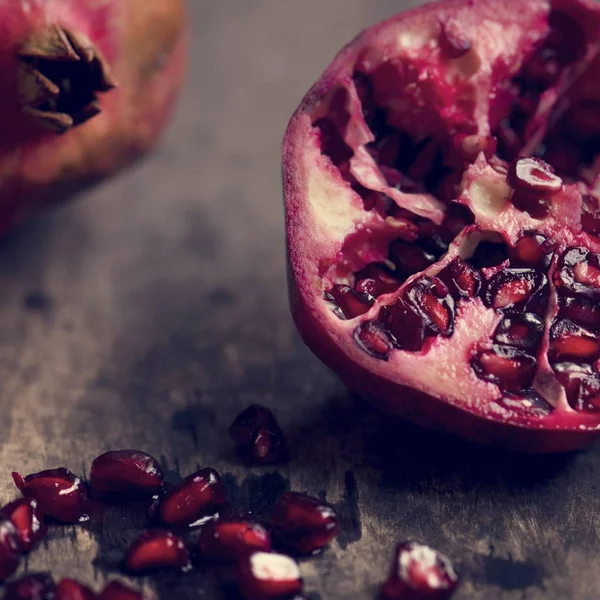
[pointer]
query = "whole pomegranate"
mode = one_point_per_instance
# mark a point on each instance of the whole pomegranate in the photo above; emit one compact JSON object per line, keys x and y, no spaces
{"x":442,"y":191}
{"x":85,"y":87}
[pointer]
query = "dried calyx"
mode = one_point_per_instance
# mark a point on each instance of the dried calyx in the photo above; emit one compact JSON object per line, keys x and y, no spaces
{"x":443,"y":219}
{"x":60,"y":76}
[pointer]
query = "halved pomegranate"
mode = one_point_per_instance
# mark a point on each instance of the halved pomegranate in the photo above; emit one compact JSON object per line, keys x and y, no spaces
{"x":442,"y":190}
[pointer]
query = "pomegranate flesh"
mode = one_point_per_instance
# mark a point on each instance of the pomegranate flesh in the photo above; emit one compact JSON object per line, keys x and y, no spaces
{"x":303,"y":523}
{"x":269,"y":576}
{"x":126,"y":474}
{"x":69,"y":589}
{"x":38,"y":586}
{"x":86,"y":88}
{"x":59,"y":494}
{"x":442,"y":195}
{"x":28,"y":519}
{"x":157,"y":549}
{"x":231,"y":540}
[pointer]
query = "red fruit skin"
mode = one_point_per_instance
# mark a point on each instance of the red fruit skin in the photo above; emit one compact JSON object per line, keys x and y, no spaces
{"x":157,"y":549}
{"x":28,"y":519}
{"x":303,"y":523}
{"x":261,"y":576}
{"x":116,"y":590}
{"x":69,"y":589}
{"x":38,"y":586}
{"x":126,"y":474}
{"x":309,"y":174}
{"x":144,"y":42}
{"x":229,"y":540}
{"x":60,"y":494}
{"x":10,"y":548}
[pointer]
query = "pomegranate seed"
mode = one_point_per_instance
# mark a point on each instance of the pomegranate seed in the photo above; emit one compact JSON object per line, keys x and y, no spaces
{"x":156,"y":549}
{"x":528,"y":405}
{"x":60,"y":494}
{"x":534,"y":175}
{"x":522,"y":330}
{"x":590,"y":215}
{"x":404,"y":324}
{"x":420,"y":572}
{"x":409,"y":259}
{"x":69,"y":589}
{"x":489,"y":254}
{"x":116,"y":590}
{"x":581,"y":310}
{"x":544,"y":68}
{"x":258,"y":436}
{"x":268,"y":576}
{"x":38,"y":586}
{"x":566,"y":37}
{"x":28,"y":520}
{"x":457,"y":218}
{"x":374,"y":339}
{"x":198,"y":495}
{"x":454,"y":40}
{"x":530,"y":252}
{"x":463,"y":280}
{"x":303,"y":523}
{"x":430,"y":299}
{"x":578,"y":272}
{"x":351,"y":303}
{"x":570,"y":341}
{"x":536,"y":206}
{"x":582,"y":385}
{"x":126,"y":474}
{"x":230,"y":540}
{"x":514,"y":288}
{"x":10,"y":548}
{"x":507,"y":367}
{"x":381,"y":281}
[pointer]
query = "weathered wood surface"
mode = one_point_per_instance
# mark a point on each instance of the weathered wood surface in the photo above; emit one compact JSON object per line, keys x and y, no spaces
{"x":151,"y":312}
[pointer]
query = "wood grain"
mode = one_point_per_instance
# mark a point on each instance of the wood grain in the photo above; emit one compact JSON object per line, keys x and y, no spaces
{"x":151,"y":312}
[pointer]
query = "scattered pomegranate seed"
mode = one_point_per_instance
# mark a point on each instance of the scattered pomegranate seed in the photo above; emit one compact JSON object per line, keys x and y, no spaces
{"x":198,"y":495}
{"x":69,"y":589}
{"x":269,"y":576}
{"x":37,"y":586}
{"x":230,"y":540}
{"x":258,"y":436}
{"x":303,"y":523}
{"x":28,"y":519}
{"x":420,"y":572}
{"x":10,"y":548}
{"x":373,"y":338}
{"x":116,"y":590}
{"x":156,"y":549}
{"x":60,"y":494}
{"x":126,"y":474}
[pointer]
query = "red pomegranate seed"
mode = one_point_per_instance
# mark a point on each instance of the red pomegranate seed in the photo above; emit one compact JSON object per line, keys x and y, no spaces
{"x":430,"y":299}
{"x":522,"y":330}
{"x":515,"y":288}
{"x":581,"y":310}
{"x":303,"y":523}
{"x":230,"y":540}
{"x":37,"y":586}
{"x":528,"y":404}
{"x":28,"y":519}
{"x":566,"y":37}
{"x":198,"y":495}
{"x":405,"y":325}
{"x":116,"y":590}
{"x":530,"y":252}
{"x":126,"y":474}
{"x":10,"y":548}
{"x":374,"y":339}
{"x":157,"y":549}
{"x":489,"y":254}
{"x":570,"y":341}
{"x":534,"y":175}
{"x":590,"y":215}
{"x":507,"y":367}
{"x":351,"y":303}
{"x":69,"y":589}
{"x":258,"y":436}
{"x":544,"y":67}
{"x":420,"y":572}
{"x":462,"y":279}
{"x":376,"y":279}
{"x":409,"y":259}
{"x":455,"y":40}
{"x":60,"y":494}
{"x":582,"y":385}
{"x":268,"y":576}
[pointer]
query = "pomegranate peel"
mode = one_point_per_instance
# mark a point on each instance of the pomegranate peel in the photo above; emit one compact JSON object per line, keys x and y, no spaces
{"x":417,"y":118}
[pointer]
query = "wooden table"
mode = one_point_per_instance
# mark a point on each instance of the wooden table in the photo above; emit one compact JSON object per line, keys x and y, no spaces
{"x":149,"y":313}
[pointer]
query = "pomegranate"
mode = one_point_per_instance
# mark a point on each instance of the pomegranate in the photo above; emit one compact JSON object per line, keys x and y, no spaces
{"x":231,"y":540}
{"x":303,"y":523}
{"x":267,"y":576}
{"x":86,"y":87}
{"x":28,"y":519}
{"x":126,"y":474}
{"x":69,"y":589}
{"x":419,"y":572}
{"x":258,"y":436}
{"x":60,"y":494}
{"x":37,"y":586}
{"x":442,"y":194}
{"x":197,"y":496}
{"x":116,"y":590}
{"x":10,"y":548}
{"x":156,"y":549}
